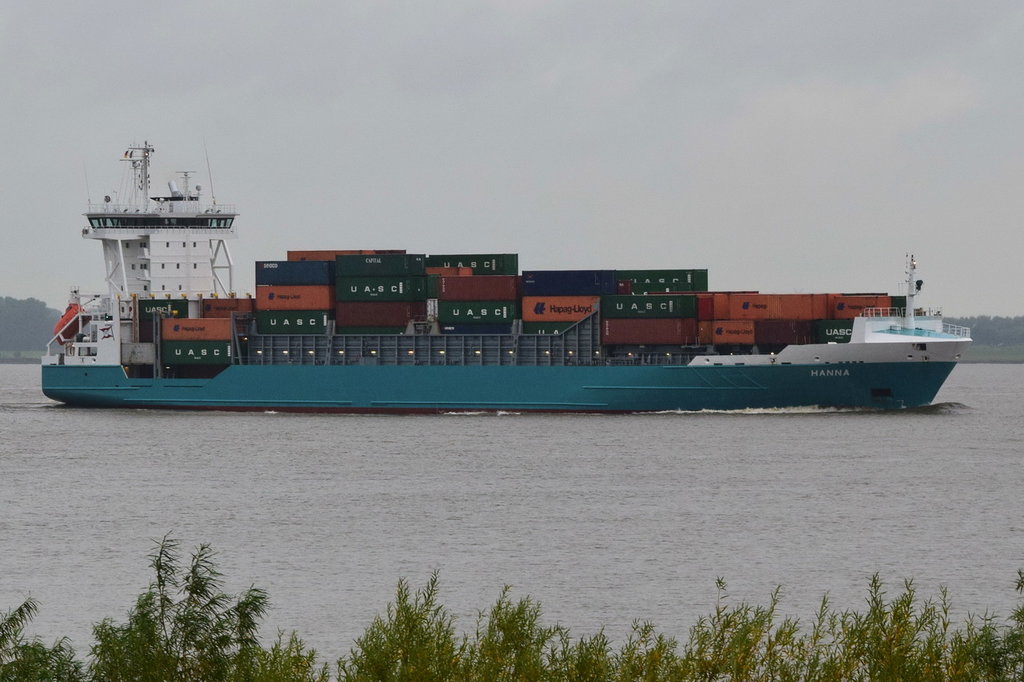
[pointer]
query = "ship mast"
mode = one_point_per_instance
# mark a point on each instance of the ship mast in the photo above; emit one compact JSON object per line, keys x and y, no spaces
{"x":913,"y":286}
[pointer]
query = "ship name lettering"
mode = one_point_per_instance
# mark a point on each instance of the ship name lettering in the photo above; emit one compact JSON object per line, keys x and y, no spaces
{"x":830,"y":372}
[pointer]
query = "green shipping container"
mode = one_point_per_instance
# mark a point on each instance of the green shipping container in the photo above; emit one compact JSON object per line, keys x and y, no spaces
{"x":649,"y":281}
{"x":482,"y":263}
{"x":195,"y":353}
{"x":829,"y":331}
{"x":381,"y":289}
{"x":291,"y":322}
{"x":379,"y":265}
{"x":900,"y":303}
{"x":165,"y":307}
{"x":433,"y":285}
{"x":654,"y":306}
{"x":546,"y":327}
{"x":469,"y":312}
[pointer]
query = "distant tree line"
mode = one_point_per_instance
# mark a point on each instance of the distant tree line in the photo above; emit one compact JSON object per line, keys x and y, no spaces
{"x":993,"y":331}
{"x":25,"y":324}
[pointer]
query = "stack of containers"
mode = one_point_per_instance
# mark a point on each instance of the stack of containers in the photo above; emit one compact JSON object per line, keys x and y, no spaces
{"x":837,"y":325}
{"x":379,"y":293}
{"x":477,"y":304}
{"x":195,"y":341}
{"x":294,"y":297}
{"x":150,"y":308}
{"x":554,"y":300}
{"x":669,"y":319}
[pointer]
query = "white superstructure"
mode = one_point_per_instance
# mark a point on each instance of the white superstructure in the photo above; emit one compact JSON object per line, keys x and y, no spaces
{"x":163,"y":246}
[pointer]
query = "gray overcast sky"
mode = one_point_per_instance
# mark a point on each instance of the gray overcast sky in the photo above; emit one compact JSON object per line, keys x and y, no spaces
{"x":786,"y":147}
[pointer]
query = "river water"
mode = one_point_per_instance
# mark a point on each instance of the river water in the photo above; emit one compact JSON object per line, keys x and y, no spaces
{"x":602,"y":519}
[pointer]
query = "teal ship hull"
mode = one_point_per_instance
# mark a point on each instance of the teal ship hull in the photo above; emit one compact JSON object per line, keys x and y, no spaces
{"x":440,"y":389}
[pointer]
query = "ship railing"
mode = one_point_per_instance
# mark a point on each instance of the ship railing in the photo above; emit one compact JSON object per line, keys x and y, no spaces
{"x":156,"y":207}
{"x":956,"y":330}
{"x":900,"y":312}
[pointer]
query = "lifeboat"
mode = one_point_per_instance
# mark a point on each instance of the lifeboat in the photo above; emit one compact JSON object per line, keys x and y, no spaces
{"x":69,"y":322}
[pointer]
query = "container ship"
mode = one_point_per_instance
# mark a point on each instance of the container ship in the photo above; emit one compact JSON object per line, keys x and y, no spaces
{"x":383,"y":330}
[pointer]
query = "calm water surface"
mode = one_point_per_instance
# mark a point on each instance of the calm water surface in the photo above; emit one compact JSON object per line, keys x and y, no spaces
{"x":602,"y":519}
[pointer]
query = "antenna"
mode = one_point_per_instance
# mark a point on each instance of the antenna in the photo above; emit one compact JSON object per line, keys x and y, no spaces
{"x":209,"y":173}
{"x":88,"y":192}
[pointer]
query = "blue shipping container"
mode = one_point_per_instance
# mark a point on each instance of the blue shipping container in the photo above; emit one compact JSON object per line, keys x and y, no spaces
{"x":569,"y":282}
{"x":299,"y":272}
{"x":476,"y":329}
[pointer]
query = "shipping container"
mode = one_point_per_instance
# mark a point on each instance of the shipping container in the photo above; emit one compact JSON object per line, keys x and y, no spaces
{"x":899,"y":303}
{"x":733,"y":332}
{"x":319,"y":297}
{"x":448,"y":272}
{"x":479,"y":288}
{"x":546,"y":327}
{"x":705,"y":306}
{"x":471,"y":329}
{"x":849,"y":306}
{"x":651,"y":281}
{"x":224,"y":307}
{"x":558,"y":308}
{"x":195,"y":352}
{"x":657,"y":305}
{"x":479,"y":263}
{"x":332,"y":254}
{"x":570,"y":282}
{"x":291,"y":321}
{"x":378,"y":313}
{"x":381,"y":289}
{"x":373,"y":331}
{"x":777,"y":306}
{"x":624,"y":287}
{"x":706,"y":332}
{"x":162,"y":307}
{"x":380,"y":265}
{"x":195,"y":329}
{"x":833,"y":331}
{"x":464,"y":312}
{"x":649,"y":332}
{"x":294,"y":273}
{"x":783,"y":332}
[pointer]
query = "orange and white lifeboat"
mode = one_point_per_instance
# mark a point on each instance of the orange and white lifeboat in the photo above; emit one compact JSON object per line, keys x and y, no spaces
{"x":69,"y":322}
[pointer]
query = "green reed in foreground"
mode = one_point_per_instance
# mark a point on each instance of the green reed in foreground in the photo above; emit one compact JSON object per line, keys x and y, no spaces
{"x":185,"y":628}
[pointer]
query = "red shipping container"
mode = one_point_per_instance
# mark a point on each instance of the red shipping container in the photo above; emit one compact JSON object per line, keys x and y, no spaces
{"x":733,"y":332}
{"x":479,"y":288}
{"x":649,"y":331}
{"x":223,"y":307}
{"x":849,"y":306}
{"x":783,"y":332}
{"x":378,"y":313}
{"x":331,"y":254}
{"x":705,"y":307}
{"x":624,"y":287}
{"x":195,"y":329}
{"x":298,"y":297}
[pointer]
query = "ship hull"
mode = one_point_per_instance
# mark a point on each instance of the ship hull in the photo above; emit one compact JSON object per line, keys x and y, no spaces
{"x":434,"y":389}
